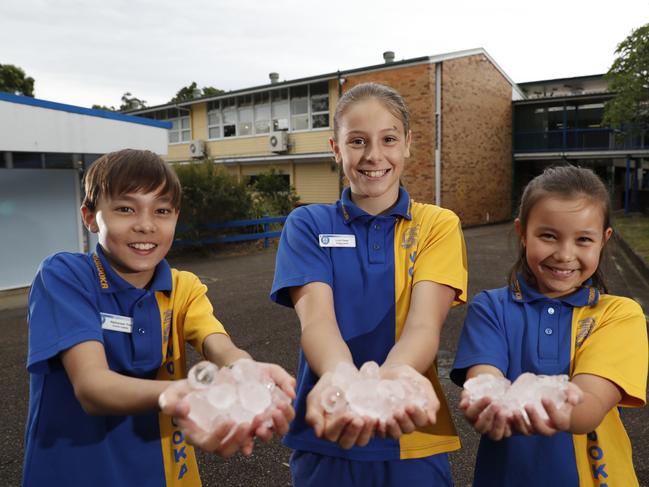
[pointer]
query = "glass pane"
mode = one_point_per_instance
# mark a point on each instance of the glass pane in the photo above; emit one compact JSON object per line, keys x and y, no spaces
{"x":319,"y":103}
{"x":262,"y":112}
{"x":277,"y":95}
{"x":214,"y":118}
{"x":245,"y":100}
{"x":245,"y":128}
{"x":229,"y":130}
{"x":299,"y":122}
{"x":245,"y":114}
{"x":262,"y":126}
{"x":261,"y":98}
{"x":174,"y":124}
{"x":173,"y":137}
{"x":299,"y":105}
{"x":300,"y":91}
{"x":230,"y":116}
{"x":228,"y":102}
{"x":186,"y":135}
{"x":184,"y":122}
{"x":320,"y":88}
{"x":215,"y":132}
{"x":319,"y":121}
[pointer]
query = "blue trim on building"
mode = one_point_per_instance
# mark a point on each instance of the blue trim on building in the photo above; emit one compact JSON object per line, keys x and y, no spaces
{"x":35,"y":102}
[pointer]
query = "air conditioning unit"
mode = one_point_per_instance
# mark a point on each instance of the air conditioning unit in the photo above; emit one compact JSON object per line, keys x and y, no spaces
{"x":197,"y":149}
{"x":278,"y":141}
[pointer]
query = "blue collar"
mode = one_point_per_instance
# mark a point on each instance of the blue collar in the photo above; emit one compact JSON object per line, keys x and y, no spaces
{"x":110,"y":281}
{"x":350,"y":211}
{"x":586,"y":295}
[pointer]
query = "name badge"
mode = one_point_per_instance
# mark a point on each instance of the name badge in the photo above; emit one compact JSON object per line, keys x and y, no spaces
{"x":336,"y":240}
{"x":111,"y":322}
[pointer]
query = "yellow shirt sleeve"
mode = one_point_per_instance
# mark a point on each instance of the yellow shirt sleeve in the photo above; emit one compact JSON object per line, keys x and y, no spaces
{"x":616,"y":347}
{"x":196,"y":313}
{"x":442,"y":252}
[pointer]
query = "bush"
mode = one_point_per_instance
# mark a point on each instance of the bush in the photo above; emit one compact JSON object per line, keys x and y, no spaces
{"x":211,"y":195}
{"x":272,"y":194}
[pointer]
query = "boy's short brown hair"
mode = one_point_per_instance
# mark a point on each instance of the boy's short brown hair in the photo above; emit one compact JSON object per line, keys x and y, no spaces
{"x":130,"y":171}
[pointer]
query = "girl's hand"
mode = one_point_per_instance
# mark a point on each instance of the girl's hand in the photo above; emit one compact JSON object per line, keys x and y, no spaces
{"x":346,"y":429}
{"x":558,"y":417}
{"x":486,"y":417}
{"x":410,"y":417}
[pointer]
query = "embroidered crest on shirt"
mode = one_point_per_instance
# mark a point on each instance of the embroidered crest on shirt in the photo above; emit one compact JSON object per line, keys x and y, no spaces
{"x":584,"y":329}
{"x":410,"y":237}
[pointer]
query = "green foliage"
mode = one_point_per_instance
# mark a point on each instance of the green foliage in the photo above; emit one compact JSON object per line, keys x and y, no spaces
{"x":14,"y":80}
{"x":191,"y":92}
{"x":272,"y":193}
{"x":104,"y":107}
{"x":628,"y":78}
{"x":211,"y":195}
{"x":130,"y":102}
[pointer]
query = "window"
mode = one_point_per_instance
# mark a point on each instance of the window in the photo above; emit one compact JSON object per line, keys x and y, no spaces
{"x":320,"y":105}
{"x":229,"y":113}
{"x":300,"y":107}
{"x":262,"y":113}
{"x":180,"y":130}
{"x":279,"y":109}
{"x":214,"y":120}
{"x":303,"y":107}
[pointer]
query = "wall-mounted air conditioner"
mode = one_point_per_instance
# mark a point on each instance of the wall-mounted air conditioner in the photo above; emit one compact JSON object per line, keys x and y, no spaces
{"x":197,"y":149}
{"x":278,"y":141}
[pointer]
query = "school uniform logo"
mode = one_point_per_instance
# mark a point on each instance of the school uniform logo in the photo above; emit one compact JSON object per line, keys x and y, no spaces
{"x":410,"y":237}
{"x":584,"y":329}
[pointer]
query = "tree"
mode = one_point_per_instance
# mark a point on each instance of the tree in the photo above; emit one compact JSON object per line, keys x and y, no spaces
{"x":191,"y":92}
{"x":104,"y":107}
{"x":129,"y":102}
{"x":628,"y":78}
{"x":14,"y":80}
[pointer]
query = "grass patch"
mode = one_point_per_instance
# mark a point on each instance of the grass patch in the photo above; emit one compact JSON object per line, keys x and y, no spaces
{"x":635,"y":231}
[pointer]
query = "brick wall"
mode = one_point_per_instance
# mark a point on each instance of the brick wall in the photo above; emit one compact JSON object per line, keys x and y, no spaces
{"x":476,"y":140}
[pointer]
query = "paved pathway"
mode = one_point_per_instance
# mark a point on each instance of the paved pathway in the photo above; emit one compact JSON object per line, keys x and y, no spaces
{"x":238,"y":287}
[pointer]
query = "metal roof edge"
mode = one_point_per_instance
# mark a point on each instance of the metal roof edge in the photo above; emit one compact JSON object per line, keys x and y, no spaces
{"x":92,"y":112}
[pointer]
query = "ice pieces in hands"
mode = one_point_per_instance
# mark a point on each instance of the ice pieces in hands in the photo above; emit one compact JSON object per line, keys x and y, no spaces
{"x":237,"y":394}
{"x":527,"y":389}
{"x":364,"y":393}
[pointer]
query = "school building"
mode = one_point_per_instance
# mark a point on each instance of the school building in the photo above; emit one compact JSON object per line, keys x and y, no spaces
{"x":44,"y":149}
{"x":461,"y":107}
{"x":560,"y":121}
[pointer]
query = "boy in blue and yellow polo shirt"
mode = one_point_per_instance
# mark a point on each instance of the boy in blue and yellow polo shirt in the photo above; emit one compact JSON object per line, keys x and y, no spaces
{"x":107,"y":333}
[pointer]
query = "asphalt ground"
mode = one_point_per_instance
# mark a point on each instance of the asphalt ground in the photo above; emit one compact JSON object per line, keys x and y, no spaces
{"x":238,"y":287}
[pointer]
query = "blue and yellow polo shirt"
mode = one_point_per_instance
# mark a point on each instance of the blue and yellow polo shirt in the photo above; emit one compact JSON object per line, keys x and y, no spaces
{"x":520,"y":330}
{"x":371,"y":269}
{"x":69,"y":303}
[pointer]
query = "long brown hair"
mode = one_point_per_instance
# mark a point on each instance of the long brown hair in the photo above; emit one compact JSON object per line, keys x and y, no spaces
{"x":565,"y":182}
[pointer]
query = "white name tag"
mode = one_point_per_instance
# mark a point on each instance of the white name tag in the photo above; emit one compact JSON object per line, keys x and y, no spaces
{"x":116,"y":323}
{"x":336,"y":240}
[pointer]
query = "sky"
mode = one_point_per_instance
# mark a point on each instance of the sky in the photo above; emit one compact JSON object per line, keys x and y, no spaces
{"x":85,"y":52}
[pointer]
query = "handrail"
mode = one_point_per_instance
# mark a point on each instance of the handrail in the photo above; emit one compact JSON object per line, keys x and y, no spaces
{"x":266,"y":234}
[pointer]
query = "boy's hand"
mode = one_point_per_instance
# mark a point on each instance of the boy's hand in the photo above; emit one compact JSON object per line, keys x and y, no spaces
{"x":346,"y":429}
{"x":486,"y":417}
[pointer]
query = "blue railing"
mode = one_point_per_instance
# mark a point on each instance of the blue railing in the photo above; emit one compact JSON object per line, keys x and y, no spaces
{"x":212,"y":228}
{"x":587,"y":139}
